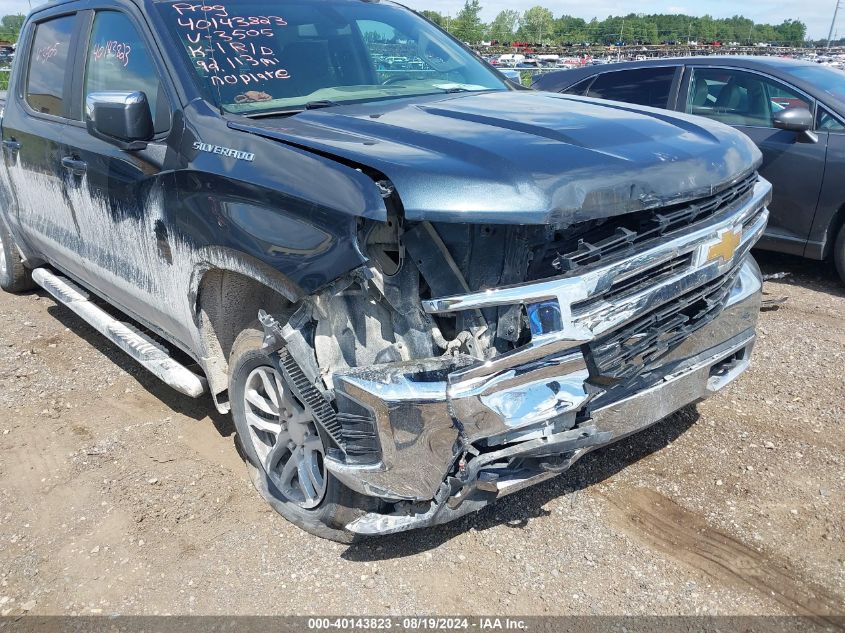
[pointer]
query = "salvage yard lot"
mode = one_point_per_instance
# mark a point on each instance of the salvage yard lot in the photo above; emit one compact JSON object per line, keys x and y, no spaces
{"x":118,"y":495}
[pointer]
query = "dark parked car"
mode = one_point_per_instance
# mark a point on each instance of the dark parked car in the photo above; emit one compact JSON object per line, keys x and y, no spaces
{"x":415,"y":291}
{"x":794,"y":111}
{"x":7,"y":54}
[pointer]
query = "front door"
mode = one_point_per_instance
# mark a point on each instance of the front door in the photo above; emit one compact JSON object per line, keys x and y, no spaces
{"x":748,"y":102}
{"x":119,"y":195}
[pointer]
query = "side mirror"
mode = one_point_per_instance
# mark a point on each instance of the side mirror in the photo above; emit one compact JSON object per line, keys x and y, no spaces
{"x":120,"y":118}
{"x":796,"y":120}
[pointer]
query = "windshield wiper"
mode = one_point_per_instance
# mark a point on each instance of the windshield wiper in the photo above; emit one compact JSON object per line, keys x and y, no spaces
{"x":328,"y":103}
{"x":320,"y":103}
{"x":270,"y":113}
{"x":311,"y":105}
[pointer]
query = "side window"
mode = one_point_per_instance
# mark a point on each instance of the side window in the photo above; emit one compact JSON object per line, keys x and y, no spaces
{"x":48,"y":67}
{"x":828,"y":123}
{"x":579,"y":88}
{"x":643,"y":86}
{"x":118,"y":61}
{"x":740,"y":98}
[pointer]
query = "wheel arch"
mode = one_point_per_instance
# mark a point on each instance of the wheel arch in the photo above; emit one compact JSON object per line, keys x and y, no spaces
{"x":226,"y":291}
{"x":834,"y":226}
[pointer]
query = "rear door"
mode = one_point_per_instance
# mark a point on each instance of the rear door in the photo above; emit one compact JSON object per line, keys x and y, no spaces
{"x":823,"y":233}
{"x":747,"y":101}
{"x":34,"y":121}
{"x":125,"y":240}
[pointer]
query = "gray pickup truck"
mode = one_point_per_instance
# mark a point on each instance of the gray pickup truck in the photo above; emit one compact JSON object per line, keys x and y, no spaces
{"x":415,"y":286}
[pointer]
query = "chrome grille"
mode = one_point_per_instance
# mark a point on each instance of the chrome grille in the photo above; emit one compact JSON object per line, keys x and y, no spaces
{"x":667,"y":287}
{"x":590,"y":242}
{"x":641,"y":344}
{"x":629,"y":285}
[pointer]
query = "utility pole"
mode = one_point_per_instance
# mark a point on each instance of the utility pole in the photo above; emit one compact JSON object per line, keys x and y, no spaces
{"x":833,"y":22}
{"x":619,"y":48}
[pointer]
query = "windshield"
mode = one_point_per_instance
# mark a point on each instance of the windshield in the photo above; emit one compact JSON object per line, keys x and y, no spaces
{"x":256,"y":56}
{"x":830,"y":80}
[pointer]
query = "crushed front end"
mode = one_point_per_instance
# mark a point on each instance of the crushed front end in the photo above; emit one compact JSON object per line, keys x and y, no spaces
{"x":470,"y":361}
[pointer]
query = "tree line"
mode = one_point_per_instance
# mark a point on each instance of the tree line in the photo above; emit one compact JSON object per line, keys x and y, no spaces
{"x":538,"y":25}
{"x":10,"y":27}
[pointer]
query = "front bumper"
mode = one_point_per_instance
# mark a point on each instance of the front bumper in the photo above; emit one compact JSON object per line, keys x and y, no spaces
{"x":455,"y":432}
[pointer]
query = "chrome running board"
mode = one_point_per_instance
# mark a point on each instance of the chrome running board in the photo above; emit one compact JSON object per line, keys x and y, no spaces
{"x":150,"y":354}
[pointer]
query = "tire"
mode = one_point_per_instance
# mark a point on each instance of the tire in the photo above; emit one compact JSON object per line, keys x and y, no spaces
{"x":839,"y":253}
{"x":338,"y":505}
{"x":14,"y":276}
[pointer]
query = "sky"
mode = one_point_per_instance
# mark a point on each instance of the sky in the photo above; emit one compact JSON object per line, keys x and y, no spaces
{"x":816,"y":14}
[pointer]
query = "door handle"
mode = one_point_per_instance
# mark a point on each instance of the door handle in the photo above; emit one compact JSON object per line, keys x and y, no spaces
{"x":74,"y":165}
{"x":12,"y":145}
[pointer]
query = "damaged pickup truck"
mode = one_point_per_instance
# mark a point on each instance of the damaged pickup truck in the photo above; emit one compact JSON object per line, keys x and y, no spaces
{"x":416,"y":287}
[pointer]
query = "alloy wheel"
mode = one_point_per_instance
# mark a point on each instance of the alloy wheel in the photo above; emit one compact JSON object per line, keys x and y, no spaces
{"x":285,"y":438}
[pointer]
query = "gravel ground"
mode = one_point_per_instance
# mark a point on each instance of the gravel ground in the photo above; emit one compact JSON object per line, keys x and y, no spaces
{"x":118,"y":495}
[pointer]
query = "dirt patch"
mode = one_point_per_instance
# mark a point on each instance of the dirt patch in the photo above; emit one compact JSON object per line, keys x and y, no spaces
{"x":684,"y":536}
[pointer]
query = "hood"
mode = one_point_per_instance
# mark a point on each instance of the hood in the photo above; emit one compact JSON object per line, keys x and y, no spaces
{"x":522,"y":156}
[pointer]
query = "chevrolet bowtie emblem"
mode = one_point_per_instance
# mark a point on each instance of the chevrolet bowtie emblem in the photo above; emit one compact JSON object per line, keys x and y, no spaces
{"x":725,"y":248}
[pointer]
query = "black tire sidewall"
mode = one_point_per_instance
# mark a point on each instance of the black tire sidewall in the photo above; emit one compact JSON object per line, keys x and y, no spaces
{"x":7,"y":277}
{"x":333,"y":513}
{"x":17,"y":277}
{"x":839,"y":253}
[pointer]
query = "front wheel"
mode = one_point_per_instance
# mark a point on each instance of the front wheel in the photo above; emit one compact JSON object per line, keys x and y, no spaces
{"x":284,"y":446}
{"x":14,"y":276}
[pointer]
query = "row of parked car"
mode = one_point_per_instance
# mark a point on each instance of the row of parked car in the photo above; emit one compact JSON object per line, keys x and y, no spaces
{"x":793,"y":110}
{"x":7,"y":55}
